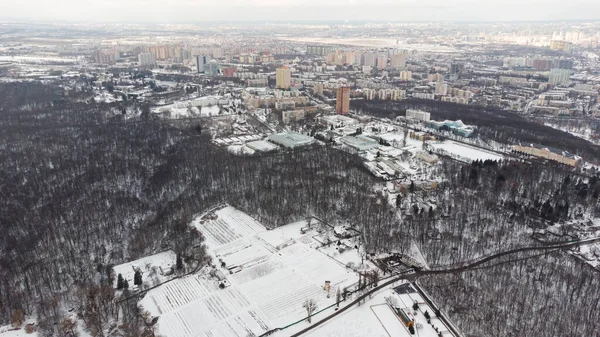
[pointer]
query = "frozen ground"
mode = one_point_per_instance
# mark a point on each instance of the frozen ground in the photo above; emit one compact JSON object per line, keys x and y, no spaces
{"x":5,"y":332}
{"x":153,"y":268}
{"x":464,"y":152}
{"x":270,"y":273}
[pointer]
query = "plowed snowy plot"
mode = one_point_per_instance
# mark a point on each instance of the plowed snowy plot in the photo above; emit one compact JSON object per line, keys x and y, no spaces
{"x":229,"y":226}
{"x":194,"y":306}
{"x":270,"y":275}
{"x":280,"y":296}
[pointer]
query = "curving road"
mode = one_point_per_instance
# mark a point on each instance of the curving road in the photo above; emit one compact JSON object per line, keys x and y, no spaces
{"x":464,"y":267}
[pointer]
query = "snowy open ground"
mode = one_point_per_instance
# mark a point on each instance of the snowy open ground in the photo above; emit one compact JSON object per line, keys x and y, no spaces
{"x":465,"y":151}
{"x":5,"y":332}
{"x":376,"y":318}
{"x":272,"y":273}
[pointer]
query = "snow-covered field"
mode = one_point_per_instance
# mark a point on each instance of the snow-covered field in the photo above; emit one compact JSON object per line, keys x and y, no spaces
{"x":153,"y":267}
{"x":270,"y":273}
{"x":390,"y":321}
{"x":465,"y":152}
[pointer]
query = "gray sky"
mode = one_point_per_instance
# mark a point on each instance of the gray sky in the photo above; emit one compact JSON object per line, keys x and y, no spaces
{"x":176,"y":11}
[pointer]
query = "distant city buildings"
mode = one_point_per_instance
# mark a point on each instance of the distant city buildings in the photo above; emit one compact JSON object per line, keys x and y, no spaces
{"x":561,"y":45}
{"x":318,"y":50}
{"x":229,"y":71}
{"x":284,"y":78}
{"x":342,"y":103}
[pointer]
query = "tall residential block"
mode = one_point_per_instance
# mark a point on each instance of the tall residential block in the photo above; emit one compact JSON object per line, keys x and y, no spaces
{"x":284,"y":78}
{"x":398,"y":61}
{"x":201,"y":61}
{"x":559,"y":76}
{"x":342,"y":101}
{"x":146,"y":59}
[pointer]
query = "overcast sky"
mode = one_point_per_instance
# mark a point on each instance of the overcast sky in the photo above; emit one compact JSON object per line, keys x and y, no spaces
{"x":183,"y":11}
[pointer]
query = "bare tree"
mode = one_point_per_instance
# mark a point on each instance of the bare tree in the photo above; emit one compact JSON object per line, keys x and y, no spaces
{"x":310,"y":306}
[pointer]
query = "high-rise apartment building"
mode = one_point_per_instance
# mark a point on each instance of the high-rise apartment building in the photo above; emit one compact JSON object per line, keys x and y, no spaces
{"x":381,"y":62}
{"x":369,"y":59}
{"x":212,"y":68}
{"x":398,"y":61}
{"x":441,"y":88}
{"x":342,"y":101}
{"x":106,"y":56}
{"x":201,"y":62}
{"x":145,"y":59}
{"x":561,"y":45}
{"x":284,"y":78}
{"x":559,"y":76}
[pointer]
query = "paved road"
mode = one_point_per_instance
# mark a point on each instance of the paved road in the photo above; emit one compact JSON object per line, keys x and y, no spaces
{"x":412,"y":277}
{"x":480,"y":261}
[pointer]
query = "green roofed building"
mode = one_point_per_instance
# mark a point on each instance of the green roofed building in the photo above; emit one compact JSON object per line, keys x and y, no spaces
{"x":291,"y":140}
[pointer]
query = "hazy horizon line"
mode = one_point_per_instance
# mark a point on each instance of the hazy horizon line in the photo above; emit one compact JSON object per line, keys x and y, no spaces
{"x":5,"y":20}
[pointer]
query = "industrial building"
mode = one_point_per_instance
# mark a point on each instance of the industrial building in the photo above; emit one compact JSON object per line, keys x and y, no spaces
{"x":360,"y":143}
{"x":291,"y":140}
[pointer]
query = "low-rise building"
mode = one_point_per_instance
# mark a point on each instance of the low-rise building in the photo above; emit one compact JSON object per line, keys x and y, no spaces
{"x":289,"y":116}
{"x":550,"y":153}
{"x":418,"y":115}
{"x":291,"y":140}
{"x":360,"y":143}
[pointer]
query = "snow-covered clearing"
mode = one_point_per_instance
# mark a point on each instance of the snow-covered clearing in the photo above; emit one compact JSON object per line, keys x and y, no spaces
{"x":464,"y":152}
{"x":391,"y":323}
{"x":153,"y":266}
{"x":270,"y":273}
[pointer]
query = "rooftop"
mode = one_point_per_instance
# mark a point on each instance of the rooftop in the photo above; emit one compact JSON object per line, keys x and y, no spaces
{"x":291,"y":139}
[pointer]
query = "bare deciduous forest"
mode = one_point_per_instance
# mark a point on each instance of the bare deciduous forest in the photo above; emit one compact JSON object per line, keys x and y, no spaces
{"x":82,"y":189}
